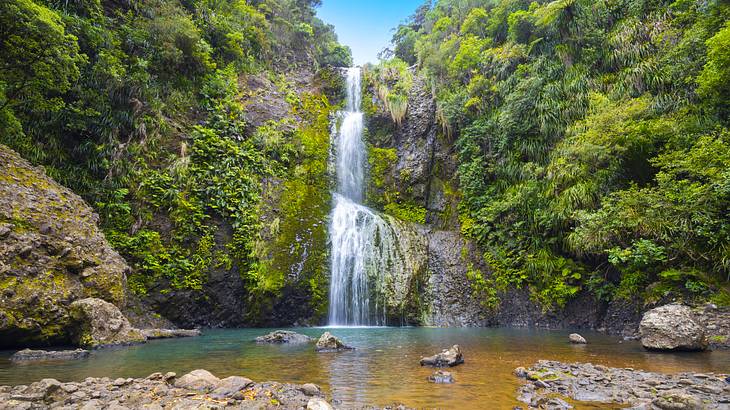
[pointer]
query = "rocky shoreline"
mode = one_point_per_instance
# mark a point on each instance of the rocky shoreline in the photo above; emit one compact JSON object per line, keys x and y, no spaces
{"x":550,"y":384}
{"x":198,"y":389}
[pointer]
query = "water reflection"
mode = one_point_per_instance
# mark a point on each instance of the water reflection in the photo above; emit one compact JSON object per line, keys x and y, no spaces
{"x":383,"y":370}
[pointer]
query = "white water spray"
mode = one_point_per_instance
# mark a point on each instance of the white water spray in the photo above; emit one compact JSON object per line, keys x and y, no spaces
{"x":364,"y":245}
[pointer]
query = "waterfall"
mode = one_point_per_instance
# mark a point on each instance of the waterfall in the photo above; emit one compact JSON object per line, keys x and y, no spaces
{"x":364,"y":245}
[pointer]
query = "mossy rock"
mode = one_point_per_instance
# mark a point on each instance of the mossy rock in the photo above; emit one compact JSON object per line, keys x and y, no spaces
{"x":52,"y":253}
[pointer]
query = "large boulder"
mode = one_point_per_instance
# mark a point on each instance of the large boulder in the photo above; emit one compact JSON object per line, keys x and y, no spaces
{"x":51,"y":253}
{"x":577,"y":339}
{"x":98,"y":323}
{"x":329,"y":343}
{"x":283,"y":336}
{"x":200,"y":380}
{"x":448,"y":357}
{"x":672,"y":327}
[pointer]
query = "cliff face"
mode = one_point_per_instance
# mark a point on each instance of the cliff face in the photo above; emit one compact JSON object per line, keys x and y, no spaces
{"x":51,"y":253}
{"x":413,"y":177}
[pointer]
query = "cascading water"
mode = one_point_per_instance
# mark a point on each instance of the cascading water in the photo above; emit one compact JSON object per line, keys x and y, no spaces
{"x":364,"y":245}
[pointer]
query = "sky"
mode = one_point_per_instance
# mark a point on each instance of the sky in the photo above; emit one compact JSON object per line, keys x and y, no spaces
{"x":366,"y":25}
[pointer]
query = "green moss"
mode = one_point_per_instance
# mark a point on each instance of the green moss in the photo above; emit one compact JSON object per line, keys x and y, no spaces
{"x":409,"y":212}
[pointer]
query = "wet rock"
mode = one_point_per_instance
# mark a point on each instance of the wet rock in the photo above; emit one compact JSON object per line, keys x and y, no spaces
{"x":316,"y":403}
{"x":329,"y":343}
{"x":284,"y":336}
{"x":169,"y":333}
{"x":441,"y":377}
{"x":575,"y":338}
{"x":448,"y":357}
{"x":231,"y":387}
{"x":31,"y":355}
{"x":99,"y":323}
{"x":201,"y":380}
{"x":672,"y":327}
{"x":626,"y":387}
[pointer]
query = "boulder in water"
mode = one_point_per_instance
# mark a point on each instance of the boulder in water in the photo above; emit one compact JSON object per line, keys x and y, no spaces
{"x":200,"y":380}
{"x":329,"y":343}
{"x":284,"y":336}
{"x":441,"y":377}
{"x":448,"y":357}
{"x":672,"y":327}
{"x":575,"y":338}
{"x":100,"y":323}
{"x":32,"y":355}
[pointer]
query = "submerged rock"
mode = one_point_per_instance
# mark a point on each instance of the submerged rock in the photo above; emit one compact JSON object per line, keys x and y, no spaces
{"x":169,"y":333}
{"x":284,"y":336}
{"x":32,"y":355}
{"x":441,"y":377}
{"x":448,"y":357}
{"x":99,"y":324}
{"x":575,"y":338}
{"x":329,"y":343}
{"x":672,"y":327}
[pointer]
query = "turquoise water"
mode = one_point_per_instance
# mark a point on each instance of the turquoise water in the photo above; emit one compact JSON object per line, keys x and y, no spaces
{"x":383,"y":370}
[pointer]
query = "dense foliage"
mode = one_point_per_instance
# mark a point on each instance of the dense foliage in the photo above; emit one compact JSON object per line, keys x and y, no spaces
{"x":139,"y":107}
{"x":592,"y":137}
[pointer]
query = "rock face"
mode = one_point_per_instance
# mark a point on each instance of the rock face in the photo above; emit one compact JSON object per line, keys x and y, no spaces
{"x":158,"y":391}
{"x":51,"y":253}
{"x":575,"y":338}
{"x":284,"y":336}
{"x":37,"y":355}
{"x":672,"y":327}
{"x":447,"y":358}
{"x":329,"y":343}
{"x":98,"y":323}
{"x":622,"y":387}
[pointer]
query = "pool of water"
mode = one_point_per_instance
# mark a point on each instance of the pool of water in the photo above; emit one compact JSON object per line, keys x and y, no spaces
{"x":383,"y":370}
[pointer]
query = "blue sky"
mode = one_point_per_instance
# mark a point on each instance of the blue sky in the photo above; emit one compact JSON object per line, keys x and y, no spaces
{"x":365,"y":25}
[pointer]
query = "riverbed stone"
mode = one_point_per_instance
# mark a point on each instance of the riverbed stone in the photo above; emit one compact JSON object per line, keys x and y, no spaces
{"x":586,"y":382}
{"x":37,"y":355}
{"x":317,"y":403}
{"x":447,"y":358}
{"x":441,"y":377}
{"x":231,"y":387}
{"x":672,"y":327}
{"x":284,"y":336}
{"x":575,"y":338}
{"x":329,"y":343}
{"x":200,"y":379}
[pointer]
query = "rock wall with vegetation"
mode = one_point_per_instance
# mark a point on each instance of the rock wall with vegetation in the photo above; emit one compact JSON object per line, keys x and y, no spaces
{"x":582,"y":146}
{"x":198,"y":131}
{"x":51,"y":253}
